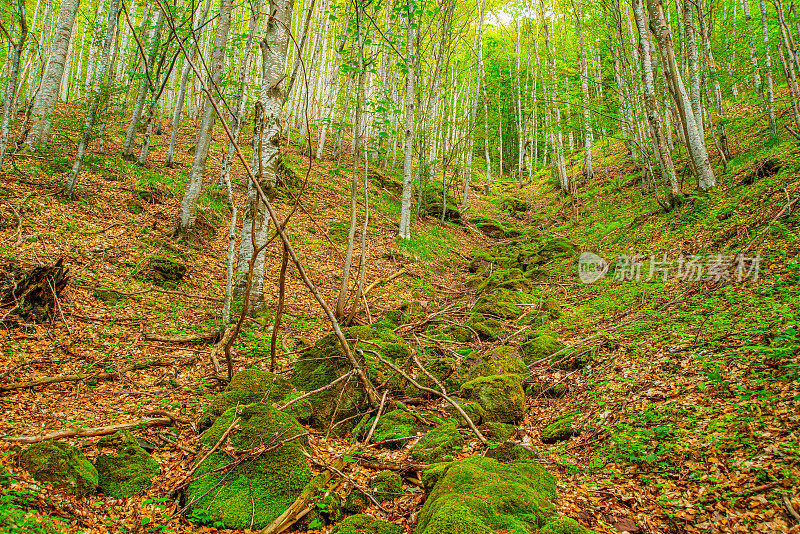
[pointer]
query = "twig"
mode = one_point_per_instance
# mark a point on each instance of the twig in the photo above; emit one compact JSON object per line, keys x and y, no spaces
{"x":757,"y":489}
{"x":69,"y":378}
{"x":313,"y":392}
{"x":376,"y":283}
{"x":377,"y":418}
{"x":322,"y":464}
{"x":187,"y":338}
{"x":184,"y":448}
{"x":80,"y":432}
{"x":789,"y":508}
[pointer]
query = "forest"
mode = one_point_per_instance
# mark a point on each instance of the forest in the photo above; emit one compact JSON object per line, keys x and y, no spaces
{"x":399,"y":266}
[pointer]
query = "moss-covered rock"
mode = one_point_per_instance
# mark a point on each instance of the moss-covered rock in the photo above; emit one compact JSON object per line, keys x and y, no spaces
{"x":393,"y":425}
{"x":386,"y":485}
{"x":559,"y":430}
{"x":272,"y":480}
{"x":459,"y":333}
{"x":165,"y":272}
{"x":514,"y":205}
{"x":356,"y":502}
{"x":439,"y":445}
{"x":480,"y":495}
{"x":318,"y":367}
{"x":129,"y":471}
{"x":366,"y":524}
{"x":498,"y":431}
{"x":253,"y":385}
{"x":61,"y":465}
{"x":488,"y":329}
{"x":500,"y":396}
{"x":503,"y":303}
{"x":511,"y":279}
{"x":489,"y":227}
{"x":451,"y":212}
{"x":510,"y":452}
{"x":498,"y":361}
{"x":134,"y":205}
{"x":556,"y":247}
{"x":472,"y":409}
{"x":539,"y":345}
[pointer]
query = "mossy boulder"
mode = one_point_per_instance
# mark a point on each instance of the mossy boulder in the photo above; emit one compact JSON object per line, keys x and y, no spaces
{"x":451,"y":212}
{"x":165,"y":272}
{"x":393,"y":425}
{"x":386,"y":485}
{"x":510,"y":452}
{"x":459,"y":333}
{"x":129,"y":471}
{"x":500,"y":396}
{"x":564,"y":525}
{"x":318,"y":367}
{"x":60,"y":464}
{"x":134,"y":205}
{"x":438,"y":445}
{"x":498,"y":431}
{"x":366,"y":524}
{"x":513,"y":205}
{"x":254,"y":385}
{"x":407,"y":312}
{"x":556,"y":247}
{"x":558,"y":430}
{"x":547,"y":311}
{"x":356,"y":502}
{"x":489,"y":227}
{"x":488,"y":329}
{"x":511,"y":279}
{"x":503,"y":303}
{"x":481,"y":495}
{"x":472,"y":409}
{"x":539,"y":344}
{"x":501,"y":360}
{"x":272,"y":480}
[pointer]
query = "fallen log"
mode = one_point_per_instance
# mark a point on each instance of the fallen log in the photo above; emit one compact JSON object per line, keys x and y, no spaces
{"x":32,"y":295}
{"x":104,"y":375}
{"x":80,"y":432}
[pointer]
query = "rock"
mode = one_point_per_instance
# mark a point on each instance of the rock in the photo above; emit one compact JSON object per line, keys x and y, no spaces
{"x":511,"y":452}
{"x":503,"y":303}
{"x":472,"y":409}
{"x":253,"y":385}
{"x":61,"y":465}
{"x":134,"y":205}
{"x":548,"y":310}
{"x":510,"y":279}
{"x":481,"y":495}
{"x":498,"y":361}
{"x":514,"y":205}
{"x":452,"y":213}
{"x":459,"y":333}
{"x":387,"y":485}
{"x":489,"y":227}
{"x":564,"y":525}
{"x":487,"y":329}
{"x":165,"y":272}
{"x":438,"y":445}
{"x":556,"y":247}
{"x":559,"y":430}
{"x":539,"y":345}
{"x":498,"y":431}
{"x":393,"y":425}
{"x":129,"y":471}
{"x":500,"y":396}
{"x":366,"y":524}
{"x":318,"y":367}
{"x":407,"y":312}
{"x":356,"y":502}
{"x":273,"y":479}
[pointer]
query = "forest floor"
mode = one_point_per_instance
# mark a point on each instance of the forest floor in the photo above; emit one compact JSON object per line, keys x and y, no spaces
{"x":686,"y":419}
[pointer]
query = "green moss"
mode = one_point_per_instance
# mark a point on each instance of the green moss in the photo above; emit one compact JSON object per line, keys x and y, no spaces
{"x":472,"y":409}
{"x":573,"y":359}
{"x":499,"y":431}
{"x":356,"y":502}
{"x":366,"y":524}
{"x":500,"y":396}
{"x":481,"y":495}
{"x":500,"y":360}
{"x":318,"y":367}
{"x":432,"y":473}
{"x":459,"y":333}
{"x":559,"y":430}
{"x":272,"y":480}
{"x":556,"y":247}
{"x":511,"y":279}
{"x":438,"y":445}
{"x":487,"y":329}
{"x":565,"y":525}
{"x":253,"y":385}
{"x":539,"y":345}
{"x":165,"y":272}
{"x":387,"y":485}
{"x":396,"y":424}
{"x":129,"y":471}
{"x":511,"y":452}
{"x":61,"y":465}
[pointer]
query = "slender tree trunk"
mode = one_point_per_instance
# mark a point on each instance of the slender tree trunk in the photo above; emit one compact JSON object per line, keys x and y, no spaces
{"x":694,"y":142}
{"x":693,"y":64}
{"x":97,"y":90}
{"x":584,"y":73}
{"x":768,"y":71}
{"x":791,"y":62}
{"x":479,"y":47}
{"x":751,"y":47}
{"x":405,"y":205}
{"x":718,"y":125}
{"x":11,"y":88}
{"x":44,"y":106}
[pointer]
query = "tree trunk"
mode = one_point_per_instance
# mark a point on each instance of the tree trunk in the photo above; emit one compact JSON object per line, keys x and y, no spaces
{"x":768,"y":71}
{"x":405,"y":205}
{"x":751,"y":47}
{"x":11,"y":88}
{"x":584,"y":73}
{"x":97,"y":90}
{"x":694,"y":142}
{"x":479,"y":46}
{"x":693,"y":64}
{"x":44,"y":106}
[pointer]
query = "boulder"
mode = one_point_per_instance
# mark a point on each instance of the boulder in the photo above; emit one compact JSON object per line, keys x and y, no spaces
{"x":129,"y":471}
{"x":386,"y":485}
{"x":60,"y":464}
{"x":254,"y":385}
{"x":366,"y":524}
{"x":539,"y":345}
{"x":498,"y":431}
{"x":165,"y":272}
{"x":558,"y":430}
{"x":488,"y":329}
{"x":503,"y":303}
{"x":318,"y":367}
{"x":440,"y":444}
{"x":500,"y":396}
{"x":511,"y":452}
{"x":472,"y":409}
{"x":393,"y":425}
{"x":482,"y":495}
{"x":233,"y":485}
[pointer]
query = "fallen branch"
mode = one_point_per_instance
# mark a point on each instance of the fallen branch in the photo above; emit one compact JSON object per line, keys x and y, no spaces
{"x":377,"y":418}
{"x":757,"y":489}
{"x":442,"y":393}
{"x":315,"y":391}
{"x":80,"y":432}
{"x":210,"y":337}
{"x":73,"y":378}
{"x":380,"y":281}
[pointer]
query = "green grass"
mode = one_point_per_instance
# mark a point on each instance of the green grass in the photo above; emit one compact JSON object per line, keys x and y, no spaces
{"x":431,"y":243}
